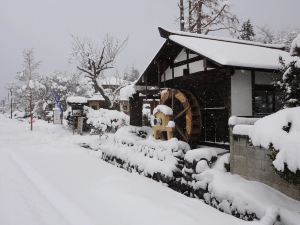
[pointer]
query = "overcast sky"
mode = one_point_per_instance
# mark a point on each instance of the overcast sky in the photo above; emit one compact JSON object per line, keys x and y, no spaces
{"x":47,"y":25}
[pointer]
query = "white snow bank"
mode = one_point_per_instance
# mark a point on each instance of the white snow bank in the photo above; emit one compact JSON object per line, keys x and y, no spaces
{"x":234,"y":120}
{"x":250,"y":196}
{"x":77,"y":99}
{"x":103,"y":193}
{"x":163,"y":109}
{"x":269,"y":130}
{"x":127,"y":92}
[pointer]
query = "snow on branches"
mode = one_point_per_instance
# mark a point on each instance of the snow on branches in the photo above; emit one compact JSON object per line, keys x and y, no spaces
{"x":204,"y":16}
{"x":94,"y":59}
{"x":289,"y":83}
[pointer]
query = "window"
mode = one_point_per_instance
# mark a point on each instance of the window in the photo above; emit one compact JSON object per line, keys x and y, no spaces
{"x":266,"y":100}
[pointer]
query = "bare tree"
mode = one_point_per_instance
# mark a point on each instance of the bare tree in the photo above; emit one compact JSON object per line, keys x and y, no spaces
{"x":265,"y":34}
{"x":28,"y":75}
{"x":206,"y":16}
{"x":269,"y":36}
{"x":93,"y":60}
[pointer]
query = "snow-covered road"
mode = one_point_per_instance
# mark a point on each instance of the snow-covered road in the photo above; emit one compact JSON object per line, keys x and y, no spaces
{"x":46,"y":178}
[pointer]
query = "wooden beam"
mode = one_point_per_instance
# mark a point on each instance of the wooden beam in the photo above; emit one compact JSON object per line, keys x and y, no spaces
{"x":158,"y":75}
{"x":187,"y":61}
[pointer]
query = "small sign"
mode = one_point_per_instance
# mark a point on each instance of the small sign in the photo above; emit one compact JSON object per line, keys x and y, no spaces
{"x":76,"y":112}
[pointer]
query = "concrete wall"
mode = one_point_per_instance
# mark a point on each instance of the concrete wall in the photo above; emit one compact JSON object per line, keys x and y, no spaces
{"x":241,"y":93}
{"x":253,"y":163}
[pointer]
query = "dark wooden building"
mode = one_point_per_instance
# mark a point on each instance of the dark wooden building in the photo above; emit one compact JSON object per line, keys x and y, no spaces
{"x":219,"y":77}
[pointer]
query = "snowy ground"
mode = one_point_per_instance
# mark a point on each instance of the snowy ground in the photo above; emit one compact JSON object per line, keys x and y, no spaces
{"x":46,"y":178}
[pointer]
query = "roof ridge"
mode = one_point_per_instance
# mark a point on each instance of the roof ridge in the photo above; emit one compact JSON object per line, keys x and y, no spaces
{"x":165,"y":33}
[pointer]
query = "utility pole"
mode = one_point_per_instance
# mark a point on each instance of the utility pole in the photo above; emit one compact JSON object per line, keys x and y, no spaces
{"x":11,"y":103}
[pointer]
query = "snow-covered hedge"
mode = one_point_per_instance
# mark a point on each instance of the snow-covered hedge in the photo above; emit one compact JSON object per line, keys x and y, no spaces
{"x":105,"y":121}
{"x":281,"y":132}
{"x":134,"y":149}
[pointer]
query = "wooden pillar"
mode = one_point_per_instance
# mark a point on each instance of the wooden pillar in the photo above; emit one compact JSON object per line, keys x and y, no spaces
{"x":253,"y":91}
{"x":136,"y":108}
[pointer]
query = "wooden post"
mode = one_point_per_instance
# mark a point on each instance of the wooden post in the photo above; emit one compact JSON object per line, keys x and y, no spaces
{"x":253,"y":91}
{"x":136,"y":108}
{"x":11,"y":103}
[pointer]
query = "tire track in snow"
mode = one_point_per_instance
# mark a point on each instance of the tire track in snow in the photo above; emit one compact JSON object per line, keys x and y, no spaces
{"x":70,"y":212}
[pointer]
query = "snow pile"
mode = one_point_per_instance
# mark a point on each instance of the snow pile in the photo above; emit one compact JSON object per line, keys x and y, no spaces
{"x":234,"y":120}
{"x":77,"y":99}
{"x":127,"y":92}
{"x":205,"y":177}
{"x":163,"y":109}
{"x":104,"y":120}
{"x":282,"y":131}
{"x":133,"y":149}
{"x":237,"y":196}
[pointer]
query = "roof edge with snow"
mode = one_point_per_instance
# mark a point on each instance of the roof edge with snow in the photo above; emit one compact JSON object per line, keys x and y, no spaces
{"x":165,"y":33}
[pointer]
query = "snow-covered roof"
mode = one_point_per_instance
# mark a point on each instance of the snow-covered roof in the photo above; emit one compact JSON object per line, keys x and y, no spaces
{"x":96,"y":97}
{"x":230,"y":52}
{"x":77,"y":99}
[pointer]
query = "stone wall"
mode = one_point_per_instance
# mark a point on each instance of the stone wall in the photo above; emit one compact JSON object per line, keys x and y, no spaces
{"x":253,"y":163}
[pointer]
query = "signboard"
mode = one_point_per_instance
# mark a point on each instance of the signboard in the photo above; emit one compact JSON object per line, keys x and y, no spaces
{"x":76,"y":112}
{"x":57,"y":116}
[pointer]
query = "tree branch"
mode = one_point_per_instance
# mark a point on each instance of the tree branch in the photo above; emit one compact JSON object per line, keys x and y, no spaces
{"x":85,"y":71}
{"x":218,"y":14}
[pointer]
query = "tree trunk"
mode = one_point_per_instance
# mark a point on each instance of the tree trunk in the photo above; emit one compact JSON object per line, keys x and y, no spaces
{"x":107,"y":103}
{"x":190,"y":16}
{"x":181,"y":8}
{"x":30,"y":108}
{"x":199,"y":18}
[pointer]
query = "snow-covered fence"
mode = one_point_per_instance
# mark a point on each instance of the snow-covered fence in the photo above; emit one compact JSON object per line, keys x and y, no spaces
{"x":268,"y":151}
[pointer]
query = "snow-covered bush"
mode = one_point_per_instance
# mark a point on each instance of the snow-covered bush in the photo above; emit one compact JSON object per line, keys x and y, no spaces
{"x":280,"y":132}
{"x":105,"y":120}
{"x":135,"y":150}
